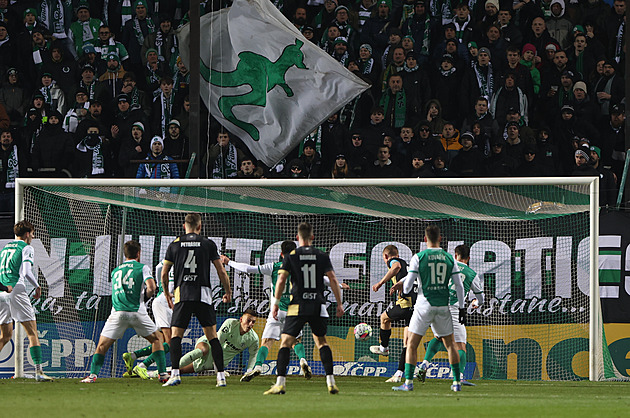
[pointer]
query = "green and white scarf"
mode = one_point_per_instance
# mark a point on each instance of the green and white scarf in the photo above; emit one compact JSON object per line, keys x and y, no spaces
{"x":12,"y":168}
{"x":486,"y":84}
{"x":47,"y":94}
{"x":226,"y":166}
{"x":396,"y":108}
{"x":126,"y":11}
{"x":315,"y":136}
{"x":138,"y":30}
{"x":55,"y":21}
{"x":366,"y":66}
{"x":98,"y":161}
{"x":167,"y":106}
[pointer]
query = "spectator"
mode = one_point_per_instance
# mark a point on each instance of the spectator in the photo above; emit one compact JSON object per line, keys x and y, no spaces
{"x":499,"y":164}
{"x":398,"y":107}
{"x":342,"y":19}
{"x":529,"y":52}
{"x":123,"y":120}
{"x":333,"y":137}
{"x":580,"y":56}
{"x":138,"y":99}
{"x":164,"y":42}
{"x":340,"y":169}
{"x":327,"y":43}
{"x":133,"y":147}
{"x":77,"y":112}
{"x":415,"y":80}
{"x":419,"y":27}
{"x":395,"y":65}
{"x":358,"y":156}
{"x":322,"y":19}
{"x":112,"y":81}
{"x":89,"y":83}
{"x":311,"y":160}
{"x":12,"y":159}
{"x":8,"y":48}
{"x":177,"y":145}
{"x":440,"y":167}
{"x":433,"y":110}
{"x":559,"y":27}
{"x":497,"y":46}
{"x":419,"y":169}
{"x":295,"y":169}
{"x":469,"y":160}
{"x":133,"y":33}
{"x":63,"y":68}
{"x":222,"y":158}
{"x":539,"y":35}
{"x":94,"y":116}
{"x":450,"y":141}
{"x":340,"y":51}
{"x":447,"y":84}
{"x":613,"y":144}
{"x":510,"y":32}
{"x":92,"y":156}
{"x":529,"y":164}
{"x":53,"y":96}
{"x":585,"y":108}
{"x":85,"y":29}
{"x":374,"y":29}
{"x":514,"y":145}
{"x":14,"y":98}
{"x":368,"y":66}
{"x":509,"y":95}
{"x":152,"y":72}
{"x":105,"y":44}
{"x":479,"y":81}
{"x":547,"y":154}
{"x":609,"y":88}
{"x":163,"y":107}
{"x":607,"y":182}
{"x":53,"y":148}
{"x":394,"y":39}
{"x":383,"y":167}
{"x":249,"y":170}
{"x":429,"y":145}
{"x":157,"y":165}
{"x":489,"y":126}
{"x":583,"y":166}
{"x":407,"y":145}
{"x":522,"y":75}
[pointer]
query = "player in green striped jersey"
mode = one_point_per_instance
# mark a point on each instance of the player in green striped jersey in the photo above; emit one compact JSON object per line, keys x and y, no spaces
{"x":472,"y":282}
{"x":273,"y":328}
{"x":131,"y":281}
{"x":16,"y":270}
{"x":434,"y":268}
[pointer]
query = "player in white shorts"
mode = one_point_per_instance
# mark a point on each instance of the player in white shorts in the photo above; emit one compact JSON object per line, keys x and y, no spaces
{"x":131,"y":282}
{"x":434,"y":268}
{"x":162,"y":315}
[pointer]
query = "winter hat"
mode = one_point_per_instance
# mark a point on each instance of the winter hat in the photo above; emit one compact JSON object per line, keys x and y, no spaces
{"x":597,"y":150}
{"x":529,"y":47}
{"x":139,"y":125}
{"x":486,"y":50}
{"x":174,"y":122}
{"x":495,"y":3}
{"x":157,"y":139}
{"x":468,"y":135}
{"x":341,"y":40}
{"x":146,"y":54}
{"x":368,"y":47}
{"x":140,"y":2}
{"x":472,"y":44}
{"x":580,"y":85}
{"x":584,"y":151}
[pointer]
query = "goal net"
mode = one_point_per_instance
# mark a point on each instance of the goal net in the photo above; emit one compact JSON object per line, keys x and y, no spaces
{"x":531,"y":241}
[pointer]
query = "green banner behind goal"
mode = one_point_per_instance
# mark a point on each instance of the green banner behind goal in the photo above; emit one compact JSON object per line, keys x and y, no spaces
{"x":530,"y":241}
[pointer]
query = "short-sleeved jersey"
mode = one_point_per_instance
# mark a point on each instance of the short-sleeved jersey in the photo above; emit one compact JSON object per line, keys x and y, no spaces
{"x":434,"y":267}
{"x":191,"y":256}
{"x":405,"y":300}
{"x":128,"y":281}
{"x":272,"y":269}
{"x":11,"y":258}
{"x":158,"y":278}
{"x":307,"y":267}
{"x":468,"y":276}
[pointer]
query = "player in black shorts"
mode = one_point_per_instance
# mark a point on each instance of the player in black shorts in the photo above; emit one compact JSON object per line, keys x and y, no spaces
{"x":306,"y":266}
{"x":401,"y":311}
{"x":190,"y":256}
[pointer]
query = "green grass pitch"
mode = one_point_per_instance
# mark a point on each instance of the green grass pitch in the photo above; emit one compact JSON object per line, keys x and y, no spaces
{"x":358,"y":397}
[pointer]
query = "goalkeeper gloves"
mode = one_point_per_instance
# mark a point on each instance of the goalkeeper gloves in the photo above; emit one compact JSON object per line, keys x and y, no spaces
{"x":462,"y":316}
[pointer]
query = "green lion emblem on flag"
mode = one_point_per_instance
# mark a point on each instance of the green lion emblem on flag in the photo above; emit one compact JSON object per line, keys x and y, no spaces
{"x":260,"y":74}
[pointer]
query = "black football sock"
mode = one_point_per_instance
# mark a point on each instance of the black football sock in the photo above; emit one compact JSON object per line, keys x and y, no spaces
{"x":217,"y":354}
{"x":385,"y":334}
{"x":327,"y":359}
{"x":283,"y":361}
{"x":401,"y":360}
{"x":176,"y":351}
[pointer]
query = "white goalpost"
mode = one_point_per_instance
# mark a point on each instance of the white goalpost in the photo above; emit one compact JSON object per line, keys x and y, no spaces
{"x":533,"y":240}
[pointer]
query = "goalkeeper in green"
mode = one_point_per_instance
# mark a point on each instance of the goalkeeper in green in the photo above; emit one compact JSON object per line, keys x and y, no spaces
{"x":235,"y":336}
{"x":434,"y":269}
{"x":273,"y":327}
{"x":471,"y":281}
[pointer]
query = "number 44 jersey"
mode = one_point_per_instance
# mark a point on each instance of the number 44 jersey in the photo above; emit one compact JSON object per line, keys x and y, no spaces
{"x":434,"y":267}
{"x":307,"y":267}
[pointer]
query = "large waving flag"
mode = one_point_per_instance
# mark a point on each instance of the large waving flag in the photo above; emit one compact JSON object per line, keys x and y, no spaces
{"x":263,"y":80}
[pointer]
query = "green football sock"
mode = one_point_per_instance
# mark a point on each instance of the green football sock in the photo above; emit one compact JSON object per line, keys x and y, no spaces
{"x":36,"y":354}
{"x":97,"y":363}
{"x":409,"y":369}
{"x":143,"y":352}
{"x":160,"y":360}
{"x":456,"y":372}
{"x":433,"y":347}
{"x":188,"y":358}
{"x":151,"y":359}
{"x":299,"y":350}
{"x":462,"y":360}
{"x":262,"y":355}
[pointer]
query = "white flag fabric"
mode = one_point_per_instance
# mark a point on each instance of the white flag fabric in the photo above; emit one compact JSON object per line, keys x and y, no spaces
{"x":265,"y":82}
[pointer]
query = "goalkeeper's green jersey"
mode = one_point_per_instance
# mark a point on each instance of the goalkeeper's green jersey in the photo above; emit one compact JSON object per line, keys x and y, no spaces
{"x":233,"y":343}
{"x":11,"y":258}
{"x":128,"y":281}
{"x":434,"y":267}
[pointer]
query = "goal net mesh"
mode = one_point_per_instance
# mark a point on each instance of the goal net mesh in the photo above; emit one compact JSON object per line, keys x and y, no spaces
{"x":530,"y":244}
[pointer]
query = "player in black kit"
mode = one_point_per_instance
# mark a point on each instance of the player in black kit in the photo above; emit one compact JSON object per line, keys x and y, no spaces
{"x":306,"y":266}
{"x":190,"y":256}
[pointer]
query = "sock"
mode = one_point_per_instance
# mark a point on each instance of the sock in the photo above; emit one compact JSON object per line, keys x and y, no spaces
{"x":160,"y":360}
{"x":402,"y":359}
{"x":456,"y":372}
{"x":176,"y":352}
{"x":330,"y":379}
{"x":220,"y":376}
{"x":283,"y":361}
{"x":36,"y":354}
{"x":299,"y":350}
{"x":217,"y":354}
{"x":409,"y":369}
{"x":143,"y":352}
{"x":385,"y":334}
{"x":327,"y":359}
{"x":190,"y":357}
{"x":97,"y":363}
{"x":281,"y":380}
{"x":433,"y":347}
{"x":151,"y":359}
{"x":262,"y":355}
{"x":462,"y":360}
{"x":174,"y":372}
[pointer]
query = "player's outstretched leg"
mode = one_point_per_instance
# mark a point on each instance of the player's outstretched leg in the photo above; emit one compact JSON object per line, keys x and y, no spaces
{"x":283,"y":361}
{"x":385,"y":334}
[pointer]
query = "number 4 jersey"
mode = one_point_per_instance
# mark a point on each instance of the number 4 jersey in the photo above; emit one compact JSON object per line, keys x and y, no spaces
{"x":307,"y":267}
{"x":434,"y":267}
{"x":128,"y":286}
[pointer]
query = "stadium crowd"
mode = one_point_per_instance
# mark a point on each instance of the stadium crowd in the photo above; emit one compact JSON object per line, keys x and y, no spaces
{"x":479,"y":88}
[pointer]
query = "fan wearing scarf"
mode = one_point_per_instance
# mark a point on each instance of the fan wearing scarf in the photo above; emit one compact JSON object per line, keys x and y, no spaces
{"x":92,"y":156}
{"x":85,"y":29}
{"x":158,"y":166}
{"x":164,"y":41}
{"x":223,"y":157}
{"x":134,"y":32}
{"x":12,"y":166}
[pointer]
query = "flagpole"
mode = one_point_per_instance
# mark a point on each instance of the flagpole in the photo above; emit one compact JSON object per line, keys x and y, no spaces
{"x":195,"y":102}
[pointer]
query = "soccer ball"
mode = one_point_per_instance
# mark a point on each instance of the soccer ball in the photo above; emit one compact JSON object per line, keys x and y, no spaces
{"x":362,"y":331}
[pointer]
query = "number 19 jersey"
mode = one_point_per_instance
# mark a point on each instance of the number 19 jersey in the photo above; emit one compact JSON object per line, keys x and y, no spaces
{"x":434,"y":267}
{"x":307,"y":267}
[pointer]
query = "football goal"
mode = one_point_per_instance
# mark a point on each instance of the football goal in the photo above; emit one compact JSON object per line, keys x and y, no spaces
{"x":533,"y":241}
